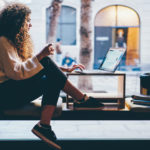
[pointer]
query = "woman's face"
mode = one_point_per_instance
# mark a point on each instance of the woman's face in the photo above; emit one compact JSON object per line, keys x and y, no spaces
{"x":28,"y":22}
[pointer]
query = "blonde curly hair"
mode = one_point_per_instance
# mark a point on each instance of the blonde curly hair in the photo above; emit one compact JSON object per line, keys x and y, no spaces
{"x":13,"y":19}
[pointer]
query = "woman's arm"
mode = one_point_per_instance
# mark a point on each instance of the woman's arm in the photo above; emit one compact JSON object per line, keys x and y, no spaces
{"x":64,"y":69}
{"x":79,"y":66}
{"x":47,"y":50}
{"x":13,"y":67}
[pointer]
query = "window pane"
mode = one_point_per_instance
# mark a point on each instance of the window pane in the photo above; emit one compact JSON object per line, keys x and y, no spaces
{"x":67,"y":32}
{"x":66,"y":29}
{"x":68,"y":15}
{"x":47,"y":22}
{"x":117,"y":16}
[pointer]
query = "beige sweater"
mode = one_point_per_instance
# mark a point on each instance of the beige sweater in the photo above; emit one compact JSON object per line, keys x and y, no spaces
{"x":11,"y":66}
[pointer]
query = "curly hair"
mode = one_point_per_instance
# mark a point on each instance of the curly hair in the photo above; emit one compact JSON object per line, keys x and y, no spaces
{"x":12,"y":25}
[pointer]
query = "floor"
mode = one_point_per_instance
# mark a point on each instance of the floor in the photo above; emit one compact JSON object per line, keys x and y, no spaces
{"x":89,"y":130}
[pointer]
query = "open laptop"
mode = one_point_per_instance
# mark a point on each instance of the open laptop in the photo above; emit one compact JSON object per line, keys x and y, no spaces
{"x":110,"y":62}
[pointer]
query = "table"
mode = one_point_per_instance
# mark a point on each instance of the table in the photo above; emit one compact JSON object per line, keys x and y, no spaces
{"x":110,"y":112}
{"x":113,"y":85}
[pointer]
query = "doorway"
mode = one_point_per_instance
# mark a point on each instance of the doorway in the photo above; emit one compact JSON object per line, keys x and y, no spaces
{"x":117,"y":26}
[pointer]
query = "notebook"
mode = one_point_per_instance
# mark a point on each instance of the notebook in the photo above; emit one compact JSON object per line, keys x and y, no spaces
{"x":110,"y":62}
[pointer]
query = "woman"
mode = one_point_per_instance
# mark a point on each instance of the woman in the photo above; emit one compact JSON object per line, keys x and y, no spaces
{"x":58,"y":52}
{"x":24,"y":77}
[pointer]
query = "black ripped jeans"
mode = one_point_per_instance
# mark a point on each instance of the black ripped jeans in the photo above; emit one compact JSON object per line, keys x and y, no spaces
{"x":47,"y":83}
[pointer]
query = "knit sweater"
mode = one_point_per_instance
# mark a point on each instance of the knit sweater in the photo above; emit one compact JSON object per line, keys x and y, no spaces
{"x":12,"y":67}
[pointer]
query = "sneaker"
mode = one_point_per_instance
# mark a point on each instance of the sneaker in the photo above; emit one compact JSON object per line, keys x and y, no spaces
{"x":47,"y":135}
{"x":91,"y":103}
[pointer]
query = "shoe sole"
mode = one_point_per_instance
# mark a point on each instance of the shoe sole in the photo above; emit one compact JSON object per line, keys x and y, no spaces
{"x":50,"y":143}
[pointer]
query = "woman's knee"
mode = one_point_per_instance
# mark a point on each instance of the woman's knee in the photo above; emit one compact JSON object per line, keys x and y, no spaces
{"x":45,"y":61}
{"x":53,"y":73}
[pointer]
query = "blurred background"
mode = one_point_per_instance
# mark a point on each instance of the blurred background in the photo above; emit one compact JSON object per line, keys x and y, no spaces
{"x":83,"y":30}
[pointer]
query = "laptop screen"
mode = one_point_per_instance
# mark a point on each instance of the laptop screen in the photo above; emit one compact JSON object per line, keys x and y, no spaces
{"x":112,"y":59}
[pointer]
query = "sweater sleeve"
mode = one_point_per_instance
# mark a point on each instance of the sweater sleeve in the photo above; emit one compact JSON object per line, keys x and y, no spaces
{"x":13,"y":67}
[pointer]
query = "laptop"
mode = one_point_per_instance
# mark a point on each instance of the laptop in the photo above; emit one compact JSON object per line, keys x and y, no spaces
{"x":109,"y":63}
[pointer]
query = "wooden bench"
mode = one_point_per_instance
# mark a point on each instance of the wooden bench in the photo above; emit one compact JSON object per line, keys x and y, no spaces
{"x":31,"y":111}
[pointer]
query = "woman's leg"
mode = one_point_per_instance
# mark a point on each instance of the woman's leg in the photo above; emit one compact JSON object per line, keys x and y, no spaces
{"x":55,"y":81}
{"x":54,"y":72}
{"x":47,"y":114}
{"x":71,"y":90}
{"x":59,"y":81}
{"x":17,"y":93}
{"x":48,"y":110}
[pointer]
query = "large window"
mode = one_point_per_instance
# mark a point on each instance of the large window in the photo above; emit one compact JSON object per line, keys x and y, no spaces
{"x":2,"y":3}
{"x":66,"y":29}
{"x":117,"y":26}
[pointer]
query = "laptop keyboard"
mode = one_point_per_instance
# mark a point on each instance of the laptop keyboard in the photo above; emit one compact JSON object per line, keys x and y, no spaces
{"x":92,"y":71}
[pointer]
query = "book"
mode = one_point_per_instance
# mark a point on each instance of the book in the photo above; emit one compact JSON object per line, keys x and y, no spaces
{"x":141,"y":97}
{"x":141,"y":102}
{"x":136,"y":107}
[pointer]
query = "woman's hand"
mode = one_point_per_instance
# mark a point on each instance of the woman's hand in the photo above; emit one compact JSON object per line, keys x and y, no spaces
{"x":47,"y":50}
{"x":79,"y":66}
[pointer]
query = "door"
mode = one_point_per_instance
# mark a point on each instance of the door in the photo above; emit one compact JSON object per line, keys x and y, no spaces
{"x":103,"y":41}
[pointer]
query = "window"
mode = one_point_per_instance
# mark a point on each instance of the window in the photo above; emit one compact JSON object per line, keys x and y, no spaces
{"x":66,"y":29}
{"x":21,"y":1}
{"x":2,"y":3}
{"x":117,"y":26}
